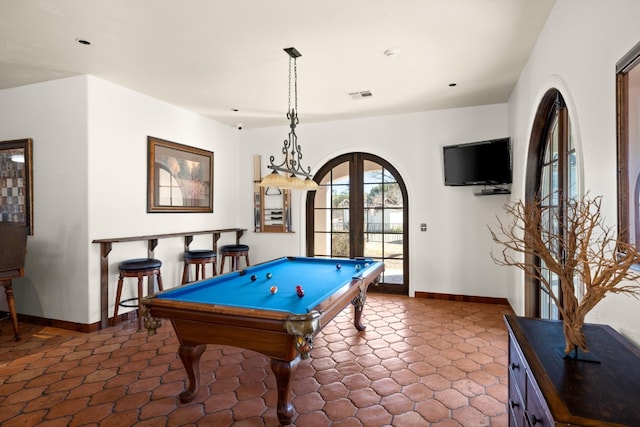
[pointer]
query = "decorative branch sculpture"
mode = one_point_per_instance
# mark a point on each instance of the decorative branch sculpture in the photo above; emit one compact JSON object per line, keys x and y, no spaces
{"x":581,"y":250}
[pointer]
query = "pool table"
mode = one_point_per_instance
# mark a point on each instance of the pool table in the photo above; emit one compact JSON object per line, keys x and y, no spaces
{"x":244,"y":309}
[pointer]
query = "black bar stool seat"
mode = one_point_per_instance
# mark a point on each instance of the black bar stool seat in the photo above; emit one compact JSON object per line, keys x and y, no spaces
{"x":234,"y":252}
{"x":138,"y":267}
{"x":200,"y":258}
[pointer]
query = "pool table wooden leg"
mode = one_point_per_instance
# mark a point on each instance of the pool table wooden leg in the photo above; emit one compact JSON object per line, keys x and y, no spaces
{"x":358,"y":305}
{"x":284,"y":372}
{"x":190,"y":356}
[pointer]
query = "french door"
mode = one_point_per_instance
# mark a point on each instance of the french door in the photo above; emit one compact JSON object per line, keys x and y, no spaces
{"x":552,"y":175}
{"x":360,"y":210}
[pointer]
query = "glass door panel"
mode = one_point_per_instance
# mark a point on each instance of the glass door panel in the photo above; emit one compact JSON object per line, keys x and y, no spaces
{"x":340,"y":220}
{"x":551,"y":182}
{"x":553,"y":176}
{"x":322,"y":219}
{"x":383,"y":220}
{"x":322,"y":244}
{"x":339,"y":196}
{"x":340,"y":245}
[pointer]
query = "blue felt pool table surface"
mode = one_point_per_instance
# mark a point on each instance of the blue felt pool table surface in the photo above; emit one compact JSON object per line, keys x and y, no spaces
{"x":319,"y":278}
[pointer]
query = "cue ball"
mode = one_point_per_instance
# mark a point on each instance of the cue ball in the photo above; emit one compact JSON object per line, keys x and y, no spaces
{"x":254,"y":277}
{"x":269,"y":275}
{"x":273,"y":289}
{"x":338,"y":266}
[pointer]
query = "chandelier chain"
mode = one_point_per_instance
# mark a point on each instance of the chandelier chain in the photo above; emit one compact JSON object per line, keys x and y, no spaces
{"x":289,"y":109}
{"x":295,"y":82}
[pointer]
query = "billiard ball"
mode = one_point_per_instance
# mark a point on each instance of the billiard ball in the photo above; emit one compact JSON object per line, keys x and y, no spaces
{"x":358,"y":267}
{"x":273,"y":289}
{"x":366,"y":264}
{"x":338,"y":266}
{"x":254,"y":277}
{"x":269,"y":275}
{"x":300,"y":293}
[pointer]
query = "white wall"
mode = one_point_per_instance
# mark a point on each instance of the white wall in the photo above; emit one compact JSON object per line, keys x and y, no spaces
{"x":119,"y":122}
{"x":90,"y":166}
{"x":53,"y":114}
{"x":576,"y":53}
{"x":453,"y":255}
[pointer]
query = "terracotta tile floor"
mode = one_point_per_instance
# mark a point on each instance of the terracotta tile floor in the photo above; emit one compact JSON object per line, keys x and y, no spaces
{"x":420,"y":362}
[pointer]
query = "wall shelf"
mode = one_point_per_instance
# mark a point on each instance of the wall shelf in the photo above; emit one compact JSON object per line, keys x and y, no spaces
{"x":272,"y":210}
{"x":492,"y":191}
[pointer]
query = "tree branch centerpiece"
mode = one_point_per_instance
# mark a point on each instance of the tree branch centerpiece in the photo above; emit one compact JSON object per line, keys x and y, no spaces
{"x":572,"y":242}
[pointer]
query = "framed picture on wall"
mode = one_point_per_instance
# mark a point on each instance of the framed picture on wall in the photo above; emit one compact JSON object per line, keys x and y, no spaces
{"x":16,"y":182}
{"x":180,"y":178}
{"x":628,"y":129}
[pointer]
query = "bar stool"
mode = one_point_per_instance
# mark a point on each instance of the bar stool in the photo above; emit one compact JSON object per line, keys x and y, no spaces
{"x":200,"y":258}
{"x":139,"y":267}
{"x":234,"y":252}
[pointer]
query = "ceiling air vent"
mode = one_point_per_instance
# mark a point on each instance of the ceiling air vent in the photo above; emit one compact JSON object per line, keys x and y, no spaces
{"x":361,"y":94}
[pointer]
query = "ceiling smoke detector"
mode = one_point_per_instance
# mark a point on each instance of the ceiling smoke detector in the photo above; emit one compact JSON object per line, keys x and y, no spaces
{"x":361,"y":94}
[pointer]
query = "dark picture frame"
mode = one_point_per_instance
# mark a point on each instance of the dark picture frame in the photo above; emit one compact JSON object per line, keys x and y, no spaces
{"x":180,"y":177}
{"x":628,"y":146}
{"x":16,"y":182}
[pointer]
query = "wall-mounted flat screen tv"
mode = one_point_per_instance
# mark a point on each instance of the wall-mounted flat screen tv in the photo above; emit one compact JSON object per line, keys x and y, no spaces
{"x":478,"y":163}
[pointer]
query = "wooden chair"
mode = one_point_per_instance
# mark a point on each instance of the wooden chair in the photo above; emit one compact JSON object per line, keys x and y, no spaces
{"x":13,"y":250}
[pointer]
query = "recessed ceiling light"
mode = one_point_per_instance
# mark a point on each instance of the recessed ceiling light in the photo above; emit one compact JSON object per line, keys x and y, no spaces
{"x":453,"y":84}
{"x":235,"y":110}
{"x":391,"y":51}
{"x":361,"y":94}
{"x":83,"y":41}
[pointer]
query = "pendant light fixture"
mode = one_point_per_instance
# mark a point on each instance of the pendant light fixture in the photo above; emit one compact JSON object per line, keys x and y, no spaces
{"x":290,"y":174}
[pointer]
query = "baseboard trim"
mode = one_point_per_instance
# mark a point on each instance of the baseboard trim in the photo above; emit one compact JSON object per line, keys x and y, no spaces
{"x":71,"y":326}
{"x":463,"y":298}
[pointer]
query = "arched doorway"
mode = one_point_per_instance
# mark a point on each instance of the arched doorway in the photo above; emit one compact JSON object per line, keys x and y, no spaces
{"x":361,"y":210}
{"x":552,"y":175}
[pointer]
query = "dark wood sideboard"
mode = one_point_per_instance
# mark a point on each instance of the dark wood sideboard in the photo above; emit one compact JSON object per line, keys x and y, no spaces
{"x":546,"y":389}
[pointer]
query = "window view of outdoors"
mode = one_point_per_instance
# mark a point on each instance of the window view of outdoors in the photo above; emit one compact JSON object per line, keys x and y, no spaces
{"x":383,"y":220}
{"x":558,"y":184}
{"x":379,"y":213}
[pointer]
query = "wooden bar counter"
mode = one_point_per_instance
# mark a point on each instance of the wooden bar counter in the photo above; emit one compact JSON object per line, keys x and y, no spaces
{"x":152,"y":242}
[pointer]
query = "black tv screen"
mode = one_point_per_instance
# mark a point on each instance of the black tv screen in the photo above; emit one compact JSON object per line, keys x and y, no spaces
{"x":478,"y":163}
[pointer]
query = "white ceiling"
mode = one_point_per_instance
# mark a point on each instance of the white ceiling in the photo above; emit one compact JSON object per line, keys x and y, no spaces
{"x":212,"y":56}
